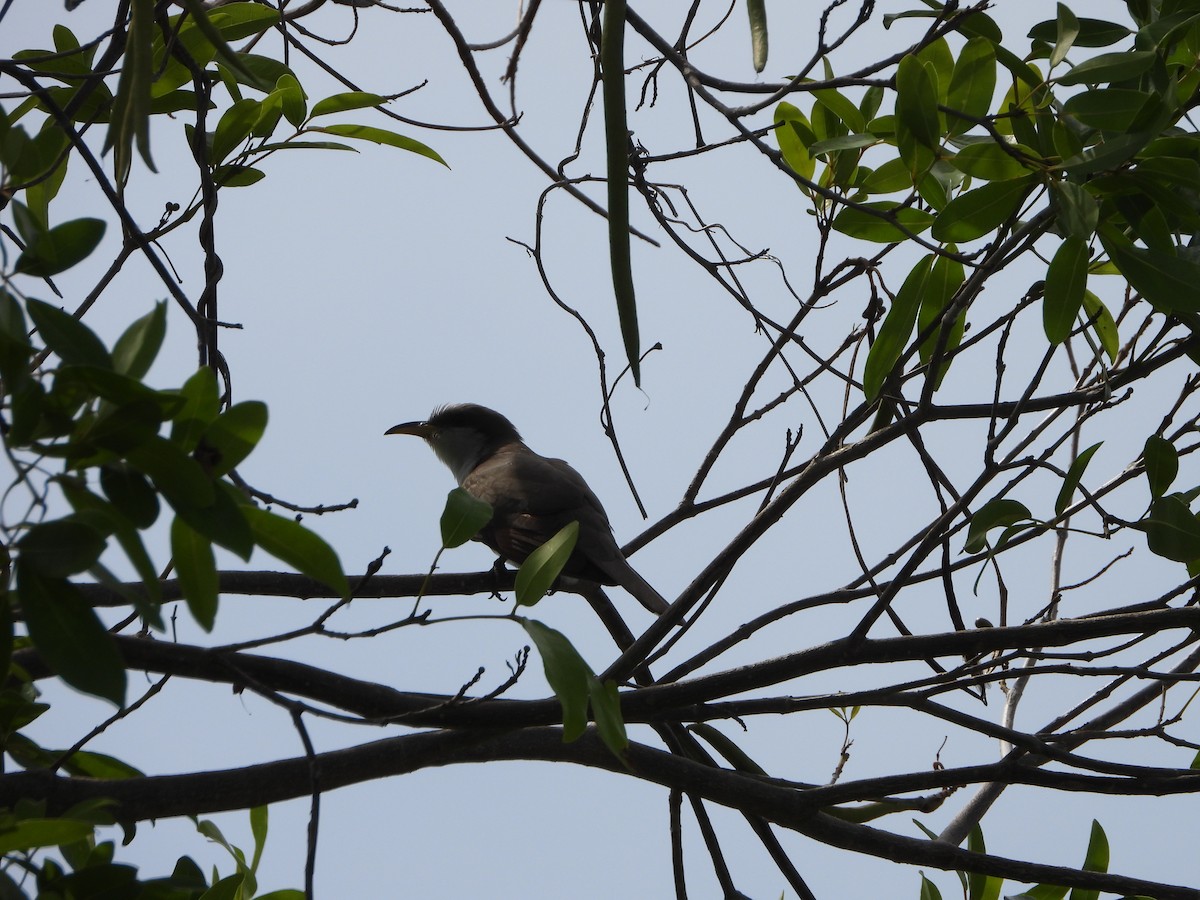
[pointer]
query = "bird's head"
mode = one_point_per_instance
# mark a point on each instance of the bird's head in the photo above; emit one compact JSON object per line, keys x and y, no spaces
{"x":462,"y":435}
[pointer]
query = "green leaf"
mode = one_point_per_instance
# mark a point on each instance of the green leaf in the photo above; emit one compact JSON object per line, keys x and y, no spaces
{"x":231,"y":438}
{"x":929,"y":890}
{"x":197,"y":570}
{"x":1109,"y":109}
{"x":757,"y":12}
{"x":890,"y":177}
{"x":237,"y":176}
{"x":223,"y":521}
{"x":568,"y":675}
{"x":981,"y":887}
{"x":916,"y":102}
{"x":896,"y":329}
{"x":989,"y":161}
{"x":1167,"y":281}
{"x":462,"y":518}
{"x":137,"y":348}
{"x":200,"y":409}
{"x":235,"y":21}
{"x":1110,"y":67}
{"x":1101,"y":321}
{"x":1092,"y":32}
{"x":1096,"y":860}
{"x":542,"y":567}
{"x":945,"y":278}
{"x":1077,"y":209}
{"x":177,"y":476}
{"x":120,"y":524}
{"x":258,"y":828}
{"x":1162,"y":464}
{"x":1172,"y":532}
{"x":994,"y":514}
{"x":300,"y":548}
{"x":1066,"y":282}
{"x":972,"y":84}
{"x":88,"y":764}
{"x":61,"y":247}
{"x":129,"y":122}
{"x":795,"y":134}
{"x":1071,"y":481}
{"x":61,"y":547}
{"x":857,"y":222}
{"x":295,"y":103}
{"x":234,"y":127}
{"x":606,"y":710}
{"x":842,"y":107}
{"x":69,"y":636}
{"x":345,"y":102}
{"x":28,"y":834}
{"x":15,"y":349}
{"x":842,"y":142}
{"x":973,"y":214}
{"x":380,"y":136}
{"x":1067,"y":31}
{"x":236,"y":61}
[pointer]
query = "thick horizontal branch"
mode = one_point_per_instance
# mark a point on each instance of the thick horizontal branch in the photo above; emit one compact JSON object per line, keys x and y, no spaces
{"x":163,"y":796}
{"x":682,"y":701}
{"x":287,"y":584}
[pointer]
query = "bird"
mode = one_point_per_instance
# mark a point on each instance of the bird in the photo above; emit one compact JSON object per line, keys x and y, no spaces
{"x":532,"y":496}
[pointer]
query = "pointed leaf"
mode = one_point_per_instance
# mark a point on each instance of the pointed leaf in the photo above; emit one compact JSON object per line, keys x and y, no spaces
{"x":200,"y":409}
{"x":136,"y":349}
{"x":606,"y":710}
{"x":345,"y":102}
{"x":972,"y":84}
{"x":1066,"y":282}
{"x":1167,"y":281}
{"x":1067,"y":32}
{"x":69,"y":636}
{"x":1162,"y":464}
{"x":61,"y":547}
{"x":1110,"y":67}
{"x":859,"y":223}
{"x":197,"y":570}
{"x":917,"y":101}
{"x":542,"y":567}
{"x":989,"y":161}
{"x":794,"y":135}
{"x":1074,"y":474}
{"x":973,"y":214}
{"x":129,"y":121}
{"x":1096,"y":860}
{"x":223,"y":521}
{"x":993,"y":514}
{"x":896,"y":330}
{"x":300,"y":548}
{"x":380,"y":136}
{"x":462,"y":517}
{"x":232,"y":437}
{"x":61,"y":247}
{"x":1172,"y":531}
{"x":1101,"y":321}
{"x":566,"y":672}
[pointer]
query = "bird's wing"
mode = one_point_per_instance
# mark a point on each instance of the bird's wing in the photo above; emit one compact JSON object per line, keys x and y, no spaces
{"x":551,"y":496}
{"x":598,"y":545}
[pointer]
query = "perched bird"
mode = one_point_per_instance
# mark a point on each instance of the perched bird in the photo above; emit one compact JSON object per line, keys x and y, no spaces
{"x":533,"y":497}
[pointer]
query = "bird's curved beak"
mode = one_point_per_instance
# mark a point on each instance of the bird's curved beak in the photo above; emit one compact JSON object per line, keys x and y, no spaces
{"x":420,"y":429}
